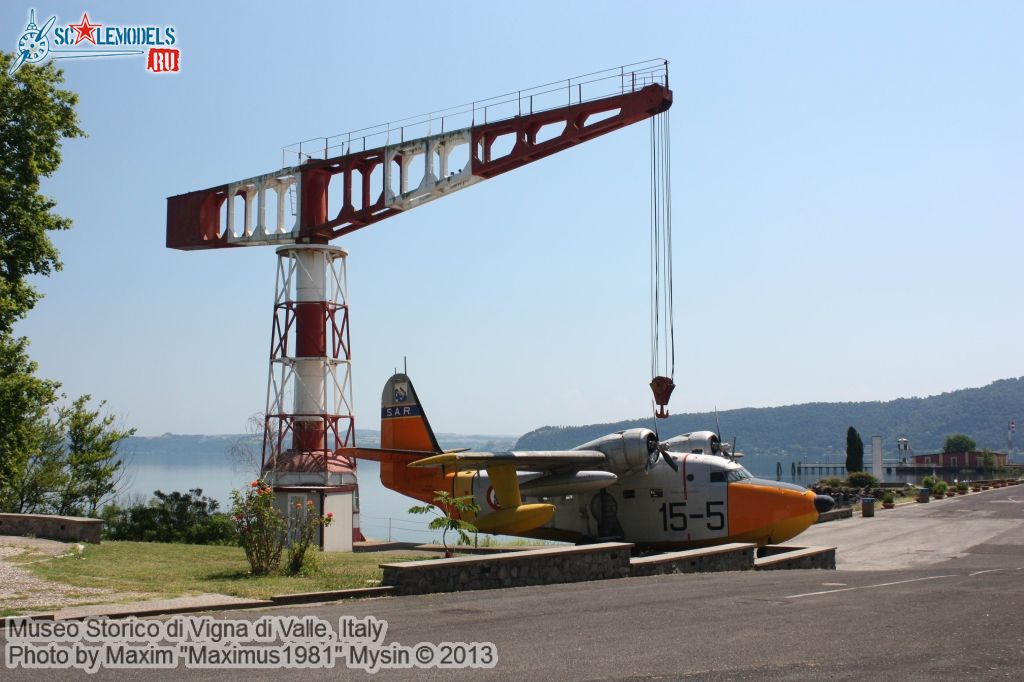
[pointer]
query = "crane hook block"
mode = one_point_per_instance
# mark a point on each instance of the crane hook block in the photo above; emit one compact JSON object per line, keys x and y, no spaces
{"x":662,"y":388}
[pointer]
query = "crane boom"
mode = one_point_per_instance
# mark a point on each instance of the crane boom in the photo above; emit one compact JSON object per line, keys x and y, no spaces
{"x":376,"y":182}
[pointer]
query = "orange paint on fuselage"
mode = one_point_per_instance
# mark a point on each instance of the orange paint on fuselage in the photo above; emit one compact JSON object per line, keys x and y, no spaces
{"x":768,"y":515}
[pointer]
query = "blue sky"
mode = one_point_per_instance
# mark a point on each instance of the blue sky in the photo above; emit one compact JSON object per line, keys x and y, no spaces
{"x":847,"y":194}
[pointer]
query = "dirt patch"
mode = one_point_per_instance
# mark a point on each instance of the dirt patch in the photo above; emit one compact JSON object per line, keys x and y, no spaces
{"x":22,"y":591}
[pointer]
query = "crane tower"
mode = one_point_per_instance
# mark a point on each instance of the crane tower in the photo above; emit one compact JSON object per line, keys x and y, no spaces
{"x":332,"y":186}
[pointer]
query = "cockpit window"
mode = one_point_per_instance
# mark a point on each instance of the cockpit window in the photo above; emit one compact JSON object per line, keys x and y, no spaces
{"x":718,"y":477}
{"x":739,"y":474}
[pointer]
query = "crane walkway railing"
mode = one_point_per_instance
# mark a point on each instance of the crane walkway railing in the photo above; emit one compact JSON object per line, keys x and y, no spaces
{"x":539,"y":98}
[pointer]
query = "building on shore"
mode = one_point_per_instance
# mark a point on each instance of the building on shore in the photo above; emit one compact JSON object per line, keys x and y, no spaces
{"x":960,"y":465}
{"x":958,"y":460}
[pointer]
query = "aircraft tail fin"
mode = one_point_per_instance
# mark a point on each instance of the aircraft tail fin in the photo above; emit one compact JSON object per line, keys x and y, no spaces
{"x":403,"y":423}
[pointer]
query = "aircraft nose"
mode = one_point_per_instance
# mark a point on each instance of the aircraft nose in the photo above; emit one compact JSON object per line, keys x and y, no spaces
{"x":823,"y":503}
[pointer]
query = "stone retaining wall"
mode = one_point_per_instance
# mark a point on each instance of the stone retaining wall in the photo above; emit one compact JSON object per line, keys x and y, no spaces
{"x":66,"y":528}
{"x":835,"y":514}
{"x":735,"y":556}
{"x":533,"y":567}
{"x":778,"y":557}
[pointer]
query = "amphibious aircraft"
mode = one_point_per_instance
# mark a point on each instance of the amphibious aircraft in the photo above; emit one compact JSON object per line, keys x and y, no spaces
{"x":684,"y":492}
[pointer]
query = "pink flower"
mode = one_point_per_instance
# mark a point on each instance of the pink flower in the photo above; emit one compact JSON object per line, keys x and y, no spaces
{"x":255,"y":484}
{"x":330,"y":515}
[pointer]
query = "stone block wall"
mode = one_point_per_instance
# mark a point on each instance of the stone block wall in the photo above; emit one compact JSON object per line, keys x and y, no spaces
{"x":66,"y":528}
{"x":534,"y":567}
{"x":776,"y":558}
{"x":736,"y":556}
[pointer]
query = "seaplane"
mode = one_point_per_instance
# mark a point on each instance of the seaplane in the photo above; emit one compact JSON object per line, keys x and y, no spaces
{"x":685,"y":492}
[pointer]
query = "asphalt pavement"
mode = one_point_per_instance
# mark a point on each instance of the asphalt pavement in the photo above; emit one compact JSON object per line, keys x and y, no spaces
{"x":926,"y":591}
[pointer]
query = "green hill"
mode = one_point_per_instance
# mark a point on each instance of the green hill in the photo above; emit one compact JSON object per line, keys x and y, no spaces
{"x":814,"y":428}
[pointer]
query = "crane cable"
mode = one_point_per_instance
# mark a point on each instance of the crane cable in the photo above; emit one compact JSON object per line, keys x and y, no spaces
{"x":663,"y":354}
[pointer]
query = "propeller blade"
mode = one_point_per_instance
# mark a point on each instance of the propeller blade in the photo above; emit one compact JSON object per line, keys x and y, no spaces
{"x":669,"y":459}
{"x":718,"y":426}
{"x":17,"y":63}
{"x":653,"y":444}
{"x":46,"y":28}
{"x":732,"y":453}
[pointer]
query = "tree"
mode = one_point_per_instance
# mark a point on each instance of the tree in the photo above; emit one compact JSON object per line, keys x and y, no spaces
{"x":26,"y":434}
{"x":854,"y":451}
{"x":445,"y":508}
{"x":36,"y":114}
{"x":91,"y":463}
{"x":958,"y":442}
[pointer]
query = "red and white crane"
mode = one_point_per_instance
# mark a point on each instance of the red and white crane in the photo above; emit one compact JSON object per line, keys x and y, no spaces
{"x":339,"y":184}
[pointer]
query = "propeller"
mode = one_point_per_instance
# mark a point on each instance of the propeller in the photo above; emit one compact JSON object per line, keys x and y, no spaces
{"x":46,"y":27}
{"x":656,"y":448}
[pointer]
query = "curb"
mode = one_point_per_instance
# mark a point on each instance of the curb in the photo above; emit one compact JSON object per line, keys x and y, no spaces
{"x":276,"y":600}
{"x":335,"y":595}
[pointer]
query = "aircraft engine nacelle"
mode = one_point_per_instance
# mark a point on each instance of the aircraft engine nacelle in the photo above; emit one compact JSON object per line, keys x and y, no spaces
{"x":696,"y":443}
{"x":626,"y":451}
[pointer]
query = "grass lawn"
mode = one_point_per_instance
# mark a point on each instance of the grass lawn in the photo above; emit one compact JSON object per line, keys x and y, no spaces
{"x":167,"y":570}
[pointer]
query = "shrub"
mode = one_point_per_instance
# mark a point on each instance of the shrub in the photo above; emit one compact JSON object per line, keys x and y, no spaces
{"x":888,"y":498}
{"x":833,"y":482}
{"x":309,"y":524}
{"x":961,"y":487}
{"x":940,"y":488}
{"x":171,"y":517}
{"x":929,"y":481}
{"x":861,"y":479}
{"x":448,"y":511}
{"x":260,"y":526}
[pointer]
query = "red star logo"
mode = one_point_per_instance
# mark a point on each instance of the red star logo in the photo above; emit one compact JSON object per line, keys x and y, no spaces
{"x":85,"y":30}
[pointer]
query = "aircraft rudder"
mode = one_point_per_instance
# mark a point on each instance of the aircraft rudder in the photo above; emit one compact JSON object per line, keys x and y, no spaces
{"x":403,"y":423}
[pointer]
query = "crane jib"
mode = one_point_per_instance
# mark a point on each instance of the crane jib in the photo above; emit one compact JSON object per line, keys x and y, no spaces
{"x":305,"y":203}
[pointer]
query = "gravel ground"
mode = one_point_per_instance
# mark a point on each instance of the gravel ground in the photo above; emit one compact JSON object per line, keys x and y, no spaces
{"x":21,"y":590}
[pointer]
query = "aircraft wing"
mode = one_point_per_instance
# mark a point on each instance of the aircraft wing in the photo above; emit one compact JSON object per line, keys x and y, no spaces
{"x":539,"y":461}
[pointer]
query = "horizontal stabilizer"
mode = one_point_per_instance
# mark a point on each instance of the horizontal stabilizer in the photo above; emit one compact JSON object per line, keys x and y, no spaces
{"x":544,"y":461}
{"x":376,"y":454}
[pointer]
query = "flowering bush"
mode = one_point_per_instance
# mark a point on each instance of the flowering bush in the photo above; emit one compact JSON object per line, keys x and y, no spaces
{"x":309,"y":525}
{"x":260,"y":526}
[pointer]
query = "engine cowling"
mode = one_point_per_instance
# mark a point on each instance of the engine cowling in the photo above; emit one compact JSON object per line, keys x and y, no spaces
{"x":696,"y":443}
{"x":626,"y":451}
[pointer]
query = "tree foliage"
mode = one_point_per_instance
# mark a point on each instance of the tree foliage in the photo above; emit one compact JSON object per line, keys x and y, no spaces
{"x":36,"y":114}
{"x":959,"y":442}
{"x":171,"y":517}
{"x":854,"y":451}
{"x":27,"y":467}
{"x":91,"y":462}
{"x":70,"y":465}
{"x":808,"y":430}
